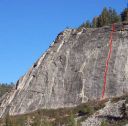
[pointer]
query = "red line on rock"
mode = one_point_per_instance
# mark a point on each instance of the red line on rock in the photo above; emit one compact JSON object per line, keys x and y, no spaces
{"x":107,"y":61}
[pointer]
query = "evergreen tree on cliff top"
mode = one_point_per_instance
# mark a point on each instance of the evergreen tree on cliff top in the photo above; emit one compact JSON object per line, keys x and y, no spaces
{"x":124,"y":15}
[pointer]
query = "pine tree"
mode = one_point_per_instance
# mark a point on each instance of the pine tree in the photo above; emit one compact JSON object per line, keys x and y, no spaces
{"x":87,"y":24}
{"x":99,"y":24}
{"x":124,"y":15}
{"x":107,"y":17}
{"x":95,"y":22}
{"x":113,"y":16}
{"x":104,"y":17}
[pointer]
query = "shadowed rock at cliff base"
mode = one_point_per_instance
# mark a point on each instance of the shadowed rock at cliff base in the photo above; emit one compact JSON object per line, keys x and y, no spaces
{"x":71,"y":72}
{"x":111,"y":112}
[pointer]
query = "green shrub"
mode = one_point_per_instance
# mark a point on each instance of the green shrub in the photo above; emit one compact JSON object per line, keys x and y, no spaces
{"x":8,"y":121}
{"x":72,"y":121}
{"x":104,"y":123}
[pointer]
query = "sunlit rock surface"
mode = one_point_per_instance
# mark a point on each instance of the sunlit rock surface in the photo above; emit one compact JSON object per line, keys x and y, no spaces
{"x":71,"y":72}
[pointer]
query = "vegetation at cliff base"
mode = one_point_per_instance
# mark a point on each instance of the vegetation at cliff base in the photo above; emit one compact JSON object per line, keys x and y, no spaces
{"x":54,"y":117}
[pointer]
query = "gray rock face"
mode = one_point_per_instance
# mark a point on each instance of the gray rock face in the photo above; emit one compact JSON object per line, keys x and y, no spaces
{"x":71,"y":72}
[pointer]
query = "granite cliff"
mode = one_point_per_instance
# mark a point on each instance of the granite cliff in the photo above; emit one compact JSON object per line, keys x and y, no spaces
{"x":71,"y":72}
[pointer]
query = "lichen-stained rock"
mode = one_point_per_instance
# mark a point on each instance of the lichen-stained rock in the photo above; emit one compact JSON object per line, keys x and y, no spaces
{"x":71,"y":72}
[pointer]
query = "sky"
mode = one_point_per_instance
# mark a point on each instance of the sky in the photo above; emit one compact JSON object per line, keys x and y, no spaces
{"x":28,"y":27}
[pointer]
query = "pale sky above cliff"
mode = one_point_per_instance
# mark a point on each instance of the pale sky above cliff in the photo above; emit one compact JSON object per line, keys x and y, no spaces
{"x":27,"y":27}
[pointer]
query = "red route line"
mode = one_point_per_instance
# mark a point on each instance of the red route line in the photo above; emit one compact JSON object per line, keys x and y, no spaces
{"x":107,"y":61}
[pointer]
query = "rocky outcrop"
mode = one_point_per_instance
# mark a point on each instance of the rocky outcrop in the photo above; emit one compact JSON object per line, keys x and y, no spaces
{"x":71,"y":72}
{"x":112,"y":111}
